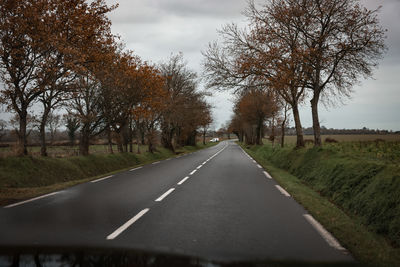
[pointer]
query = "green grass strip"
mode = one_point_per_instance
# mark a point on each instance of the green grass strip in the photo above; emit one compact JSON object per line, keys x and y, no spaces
{"x":27,"y":177}
{"x":369,"y":248}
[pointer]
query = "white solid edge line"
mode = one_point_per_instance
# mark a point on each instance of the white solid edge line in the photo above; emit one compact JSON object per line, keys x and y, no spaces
{"x":192,"y":172}
{"x":267,"y":175}
{"x":165,"y":194}
{"x":329,"y":238}
{"x":29,"y":200}
{"x":135,"y":169}
{"x":101,"y":179}
{"x":183,"y":180}
{"x":283,"y":191}
{"x":127,"y":224}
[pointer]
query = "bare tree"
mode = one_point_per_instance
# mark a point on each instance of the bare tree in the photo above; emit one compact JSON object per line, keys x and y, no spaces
{"x":265,"y":57}
{"x":341,"y":42}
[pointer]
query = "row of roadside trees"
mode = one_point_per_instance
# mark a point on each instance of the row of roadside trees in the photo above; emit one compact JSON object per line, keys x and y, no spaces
{"x":292,"y":51}
{"x":60,"y":55}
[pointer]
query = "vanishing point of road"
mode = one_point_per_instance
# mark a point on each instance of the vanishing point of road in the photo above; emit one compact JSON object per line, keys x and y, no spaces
{"x":217,"y":204}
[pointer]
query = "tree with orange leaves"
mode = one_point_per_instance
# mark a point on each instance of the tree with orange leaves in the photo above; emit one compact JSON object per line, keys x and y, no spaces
{"x":255,"y":106}
{"x":152,"y":102}
{"x":41,"y":41}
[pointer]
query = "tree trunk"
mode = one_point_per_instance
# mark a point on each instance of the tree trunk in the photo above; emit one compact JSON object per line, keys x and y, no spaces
{"x":130,"y":136}
{"x":299,"y":128}
{"x":85,"y":141}
{"x":22,"y":140}
{"x":125,"y":137}
{"x":138,"y":137}
{"x":241,"y":134}
{"x":283,"y":128}
{"x":42,"y":133}
{"x":204,"y":136}
{"x":316,"y":126}
{"x":166,"y":138}
{"x":258,"y":133}
{"x":110,"y":145}
{"x":120,"y":146}
{"x":273,"y":130}
{"x":150,"y":142}
{"x":142,"y":135}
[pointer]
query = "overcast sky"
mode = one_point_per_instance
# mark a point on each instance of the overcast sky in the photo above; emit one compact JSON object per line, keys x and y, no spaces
{"x":154,"y":29}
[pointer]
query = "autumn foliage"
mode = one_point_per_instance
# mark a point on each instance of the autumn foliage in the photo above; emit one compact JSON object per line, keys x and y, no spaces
{"x":61,"y":55}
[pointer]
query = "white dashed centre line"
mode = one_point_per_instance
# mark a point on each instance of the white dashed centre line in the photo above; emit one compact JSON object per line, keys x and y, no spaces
{"x":165,"y":194}
{"x":127,"y":224}
{"x":192,"y":172}
{"x":183,"y":180}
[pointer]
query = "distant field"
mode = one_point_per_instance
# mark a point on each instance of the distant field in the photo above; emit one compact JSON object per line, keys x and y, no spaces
{"x":65,"y":151}
{"x":348,"y":137}
{"x":358,"y":146}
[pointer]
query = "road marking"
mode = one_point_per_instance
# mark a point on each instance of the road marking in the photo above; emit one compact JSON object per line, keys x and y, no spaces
{"x":259,"y":166}
{"x":192,"y":172}
{"x":165,"y":194}
{"x":168,"y":159}
{"x":156,"y":162}
{"x":204,"y":162}
{"x":29,"y":200}
{"x":254,"y":161}
{"x":127,"y":224}
{"x":267,"y":175}
{"x":135,"y":169}
{"x":283,"y":191}
{"x":101,"y":179}
{"x":198,"y":167}
{"x":332,"y":241}
{"x":183,"y":180}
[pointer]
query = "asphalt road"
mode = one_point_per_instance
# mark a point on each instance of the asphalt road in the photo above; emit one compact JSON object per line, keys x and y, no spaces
{"x":216,"y":203}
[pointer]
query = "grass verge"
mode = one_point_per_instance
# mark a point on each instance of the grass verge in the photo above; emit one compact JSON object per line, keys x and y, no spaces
{"x":27,"y":177}
{"x":367,"y":247}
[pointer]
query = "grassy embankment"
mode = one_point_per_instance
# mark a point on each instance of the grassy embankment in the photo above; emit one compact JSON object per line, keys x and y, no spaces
{"x":352,"y":188}
{"x":27,"y":177}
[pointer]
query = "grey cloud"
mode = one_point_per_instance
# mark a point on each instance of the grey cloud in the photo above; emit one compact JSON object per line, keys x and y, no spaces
{"x":205,"y":8}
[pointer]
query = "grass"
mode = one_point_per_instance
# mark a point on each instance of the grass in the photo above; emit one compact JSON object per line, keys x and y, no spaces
{"x":355,"y":199}
{"x":27,"y":177}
